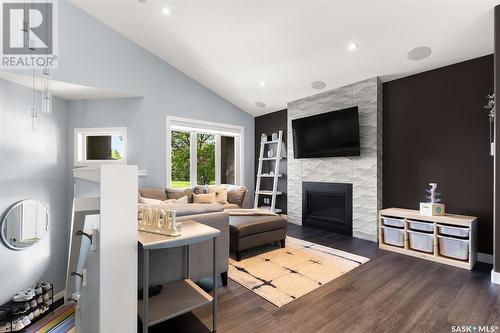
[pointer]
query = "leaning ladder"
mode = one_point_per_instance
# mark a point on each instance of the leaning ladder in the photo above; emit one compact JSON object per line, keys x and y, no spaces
{"x":276,"y":159}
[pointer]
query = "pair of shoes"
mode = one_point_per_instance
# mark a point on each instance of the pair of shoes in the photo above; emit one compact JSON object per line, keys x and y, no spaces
{"x":36,"y":313}
{"x":31,"y":316}
{"x":46,"y":297}
{"x":5,"y":327}
{"x":20,"y":323}
{"x":43,"y":308}
{"x":42,"y":287}
{"x":38,"y":289}
{"x":45,"y":286}
{"x":33,"y":304}
{"x":23,"y":296}
{"x":22,"y":309}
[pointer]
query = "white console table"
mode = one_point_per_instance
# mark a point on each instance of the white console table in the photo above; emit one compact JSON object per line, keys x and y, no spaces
{"x":182,"y":296}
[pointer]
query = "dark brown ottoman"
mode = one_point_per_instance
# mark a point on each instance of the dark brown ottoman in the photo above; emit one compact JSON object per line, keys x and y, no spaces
{"x":247,"y":232}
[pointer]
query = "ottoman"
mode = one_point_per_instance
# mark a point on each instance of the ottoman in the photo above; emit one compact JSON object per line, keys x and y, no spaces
{"x":247,"y":232}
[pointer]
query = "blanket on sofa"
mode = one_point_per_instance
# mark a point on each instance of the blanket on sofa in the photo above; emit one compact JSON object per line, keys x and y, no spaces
{"x":250,"y":212}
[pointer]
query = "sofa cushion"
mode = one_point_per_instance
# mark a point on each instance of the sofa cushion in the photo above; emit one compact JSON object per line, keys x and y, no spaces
{"x":181,"y":200}
{"x":230,"y":206}
{"x":236,"y":195}
{"x":241,"y":226}
{"x":205,"y":198}
{"x":153,"y":193}
{"x":190,"y":209}
{"x":200,"y":189}
{"x":177,"y":193}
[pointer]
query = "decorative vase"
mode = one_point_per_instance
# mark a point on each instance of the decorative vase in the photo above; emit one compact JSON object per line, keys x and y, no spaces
{"x":270,"y":153}
{"x":274,"y":136}
{"x":263,"y":138}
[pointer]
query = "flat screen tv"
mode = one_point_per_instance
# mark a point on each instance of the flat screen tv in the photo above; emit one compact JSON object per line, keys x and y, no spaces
{"x":329,"y":134}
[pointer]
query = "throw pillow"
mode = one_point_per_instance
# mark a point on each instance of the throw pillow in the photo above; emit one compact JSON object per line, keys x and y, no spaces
{"x":149,"y":201}
{"x":177,"y":193}
{"x":153,"y":193}
{"x":220,"y":192}
{"x":183,"y":200}
{"x":204,"y":198}
{"x":236,"y":195}
{"x":200,"y":189}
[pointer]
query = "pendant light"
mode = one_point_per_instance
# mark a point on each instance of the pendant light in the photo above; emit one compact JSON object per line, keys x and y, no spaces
{"x":35,"y":121}
{"x":46,"y":92}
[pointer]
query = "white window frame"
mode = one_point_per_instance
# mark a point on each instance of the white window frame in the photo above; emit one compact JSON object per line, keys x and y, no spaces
{"x":194,"y":126}
{"x":80,"y":147}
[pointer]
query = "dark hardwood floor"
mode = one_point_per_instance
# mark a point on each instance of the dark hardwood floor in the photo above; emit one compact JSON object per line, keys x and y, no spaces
{"x":390,"y":293}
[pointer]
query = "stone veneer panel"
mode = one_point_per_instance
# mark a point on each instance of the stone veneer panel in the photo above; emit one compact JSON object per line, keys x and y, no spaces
{"x":363,"y":172}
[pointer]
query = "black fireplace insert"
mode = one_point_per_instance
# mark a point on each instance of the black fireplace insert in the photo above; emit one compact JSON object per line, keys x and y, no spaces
{"x":327,"y":206}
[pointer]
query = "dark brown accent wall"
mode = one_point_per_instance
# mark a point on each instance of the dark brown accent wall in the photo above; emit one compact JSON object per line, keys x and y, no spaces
{"x":268,"y":124}
{"x":436,"y":130}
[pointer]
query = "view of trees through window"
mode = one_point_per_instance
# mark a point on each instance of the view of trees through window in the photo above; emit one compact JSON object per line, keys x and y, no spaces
{"x":180,"y":159}
{"x":205,"y":164}
{"x":205,"y":151}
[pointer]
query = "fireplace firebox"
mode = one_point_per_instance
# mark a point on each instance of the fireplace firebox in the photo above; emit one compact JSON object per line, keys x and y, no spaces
{"x":327,"y":206}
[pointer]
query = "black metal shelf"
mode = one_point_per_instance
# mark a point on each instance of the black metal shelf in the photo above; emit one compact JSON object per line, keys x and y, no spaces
{"x":7,"y":309}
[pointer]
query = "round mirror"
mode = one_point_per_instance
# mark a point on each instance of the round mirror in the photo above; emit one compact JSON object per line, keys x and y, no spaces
{"x":24,"y":224}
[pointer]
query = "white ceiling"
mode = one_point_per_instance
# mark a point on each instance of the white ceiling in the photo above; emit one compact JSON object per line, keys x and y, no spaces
{"x":64,"y":90}
{"x":232,"y":46}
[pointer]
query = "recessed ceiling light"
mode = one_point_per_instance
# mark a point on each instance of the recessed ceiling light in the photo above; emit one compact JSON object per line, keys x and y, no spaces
{"x":165,"y":11}
{"x":419,"y":53}
{"x":352,"y":46}
{"x":262,"y":84}
{"x":260,"y":104}
{"x":318,"y":85}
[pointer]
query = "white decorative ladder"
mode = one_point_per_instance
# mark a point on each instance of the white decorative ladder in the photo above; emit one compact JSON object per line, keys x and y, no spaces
{"x":276,"y":159}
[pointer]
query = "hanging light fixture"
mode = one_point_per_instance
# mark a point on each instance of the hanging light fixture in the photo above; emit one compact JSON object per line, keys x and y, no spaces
{"x":46,"y":92}
{"x":35,"y":121}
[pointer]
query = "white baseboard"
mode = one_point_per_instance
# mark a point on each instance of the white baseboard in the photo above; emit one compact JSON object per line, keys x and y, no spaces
{"x":484,"y":257}
{"x":495,"y":277}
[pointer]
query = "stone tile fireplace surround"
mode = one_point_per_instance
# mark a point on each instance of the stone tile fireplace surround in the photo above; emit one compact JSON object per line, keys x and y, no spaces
{"x":364,"y":172}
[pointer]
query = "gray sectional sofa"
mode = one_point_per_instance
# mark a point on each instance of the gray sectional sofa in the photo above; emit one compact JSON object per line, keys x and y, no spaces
{"x":168,"y":265}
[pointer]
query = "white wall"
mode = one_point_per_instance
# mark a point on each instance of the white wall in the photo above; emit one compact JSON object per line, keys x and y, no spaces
{"x":33,"y":165}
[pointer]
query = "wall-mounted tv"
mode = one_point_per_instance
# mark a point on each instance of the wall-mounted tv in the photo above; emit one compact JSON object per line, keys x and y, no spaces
{"x":329,"y":134}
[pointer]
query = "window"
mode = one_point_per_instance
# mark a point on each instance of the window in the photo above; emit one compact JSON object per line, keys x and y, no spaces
{"x":203,"y":153}
{"x":100,"y":145}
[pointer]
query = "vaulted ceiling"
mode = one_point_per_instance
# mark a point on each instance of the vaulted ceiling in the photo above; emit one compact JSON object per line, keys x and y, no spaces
{"x":271,"y":51}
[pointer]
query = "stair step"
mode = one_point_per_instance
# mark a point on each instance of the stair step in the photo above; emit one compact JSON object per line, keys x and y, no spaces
{"x":271,"y":176}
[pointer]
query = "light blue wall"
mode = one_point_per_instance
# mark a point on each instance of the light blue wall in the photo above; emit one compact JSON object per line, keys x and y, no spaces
{"x":95,"y":55}
{"x":38,"y":165}
{"x":33,"y":166}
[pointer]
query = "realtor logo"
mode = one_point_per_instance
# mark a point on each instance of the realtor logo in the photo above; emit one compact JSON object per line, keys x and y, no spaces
{"x":29,"y":34}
